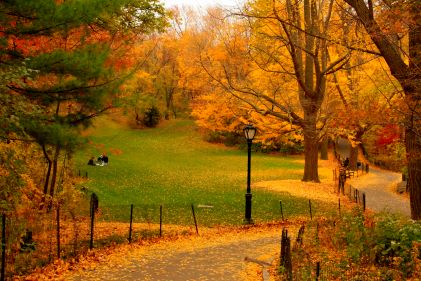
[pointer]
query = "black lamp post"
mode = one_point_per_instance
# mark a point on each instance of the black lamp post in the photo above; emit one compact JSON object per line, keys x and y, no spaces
{"x":249,"y":132}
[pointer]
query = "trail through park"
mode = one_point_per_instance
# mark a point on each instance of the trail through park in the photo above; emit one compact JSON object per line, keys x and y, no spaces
{"x":213,"y":256}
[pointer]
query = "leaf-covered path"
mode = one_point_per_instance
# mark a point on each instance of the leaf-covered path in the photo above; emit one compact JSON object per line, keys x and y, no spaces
{"x":209,"y":257}
{"x":378,"y":186}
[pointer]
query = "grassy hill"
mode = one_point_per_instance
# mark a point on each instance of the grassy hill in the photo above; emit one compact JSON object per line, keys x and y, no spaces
{"x":172,"y":166}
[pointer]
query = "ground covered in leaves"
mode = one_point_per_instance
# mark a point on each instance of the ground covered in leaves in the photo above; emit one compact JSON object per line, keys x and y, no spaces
{"x":217,"y":253}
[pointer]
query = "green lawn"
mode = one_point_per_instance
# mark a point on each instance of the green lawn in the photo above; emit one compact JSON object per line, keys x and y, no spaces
{"x":172,"y":166}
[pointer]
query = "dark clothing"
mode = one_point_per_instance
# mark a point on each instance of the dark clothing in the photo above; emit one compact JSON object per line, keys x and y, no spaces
{"x":91,"y":162}
{"x":105,"y":159}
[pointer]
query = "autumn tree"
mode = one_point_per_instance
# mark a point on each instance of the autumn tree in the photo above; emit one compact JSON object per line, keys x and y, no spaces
{"x":386,"y":22}
{"x":287,"y":42}
{"x":71,"y":50}
{"x":170,"y":77}
{"x":364,"y":90}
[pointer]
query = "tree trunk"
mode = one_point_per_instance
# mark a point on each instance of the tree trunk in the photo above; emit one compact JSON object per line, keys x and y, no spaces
{"x":47,"y":176}
{"x":311,"y":148}
{"x":55,"y":168}
{"x":137,"y":118}
{"x":413,"y":149}
{"x":324,"y":149}
{"x":311,"y":152}
{"x":353,"y":157}
{"x":412,"y":88}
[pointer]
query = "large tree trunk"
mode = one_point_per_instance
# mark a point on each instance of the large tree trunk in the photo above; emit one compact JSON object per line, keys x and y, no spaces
{"x":353,"y":157}
{"x":311,"y":172}
{"x":311,"y":148}
{"x":353,"y":154}
{"x":412,"y":88}
{"x":413,"y":152}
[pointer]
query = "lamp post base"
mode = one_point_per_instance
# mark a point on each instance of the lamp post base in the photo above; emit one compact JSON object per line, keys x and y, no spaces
{"x":247,"y":218}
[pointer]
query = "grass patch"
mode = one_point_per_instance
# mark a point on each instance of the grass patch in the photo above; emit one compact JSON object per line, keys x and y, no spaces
{"x":172,"y":166}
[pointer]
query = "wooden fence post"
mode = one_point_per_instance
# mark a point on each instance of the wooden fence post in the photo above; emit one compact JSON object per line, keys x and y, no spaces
{"x":91,"y":240}
{"x":364,"y":202}
{"x":160,"y":220}
{"x":58,"y":231}
{"x":131,"y":223}
{"x":285,"y":259}
{"x":300,"y":237}
{"x":3,"y":247}
{"x":339,"y":184}
{"x":309,"y":206}
{"x":282,"y":211}
{"x":317,"y":271}
{"x":194,"y":217}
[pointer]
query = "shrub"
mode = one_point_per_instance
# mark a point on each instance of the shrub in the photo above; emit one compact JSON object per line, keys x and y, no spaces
{"x":151,"y":117}
{"x":227,"y":138}
{"x":394,"y":240}
{"x":353,"y":233}
{"x":388,"y":241}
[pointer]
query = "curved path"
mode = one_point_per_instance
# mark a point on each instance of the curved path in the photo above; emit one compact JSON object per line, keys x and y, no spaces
{"x":378,"y":186}
{"x":220,"y":257}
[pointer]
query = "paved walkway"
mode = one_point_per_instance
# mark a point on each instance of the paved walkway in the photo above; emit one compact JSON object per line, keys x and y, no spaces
{"x":203,"y":259}
{"x":378,"y":186}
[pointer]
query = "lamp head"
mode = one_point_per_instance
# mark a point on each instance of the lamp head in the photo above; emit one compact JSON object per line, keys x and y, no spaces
{"x":249,"y":132}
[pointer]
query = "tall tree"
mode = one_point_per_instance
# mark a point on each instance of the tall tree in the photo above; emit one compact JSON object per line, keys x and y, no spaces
{"x":287,"y":40}
{"x":72,"y":49}
{"x":405,"y":67}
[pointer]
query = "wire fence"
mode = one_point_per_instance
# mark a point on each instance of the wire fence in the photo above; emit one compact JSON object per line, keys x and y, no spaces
{"x":62,"y":232}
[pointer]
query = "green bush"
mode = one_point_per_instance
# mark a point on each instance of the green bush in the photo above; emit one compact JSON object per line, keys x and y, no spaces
{"x":386,"y":240}
{"x":354,"y":235}
{"x":291,"y":149}
{"x":227,"y":138}
{"x":394,"y":241}
{"x":152,"y":117}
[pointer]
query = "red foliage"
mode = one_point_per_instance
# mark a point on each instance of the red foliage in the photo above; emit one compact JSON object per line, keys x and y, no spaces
{"x":387,"y":135}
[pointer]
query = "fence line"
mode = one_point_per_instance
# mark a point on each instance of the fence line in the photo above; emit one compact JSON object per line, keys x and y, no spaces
{"x":63,"y":232}
{"x":3,"y":247}
{"x":296,"y":263}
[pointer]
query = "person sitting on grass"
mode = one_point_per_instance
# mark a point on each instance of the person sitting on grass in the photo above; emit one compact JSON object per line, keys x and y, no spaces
{"x":105,"y":159}
{"x":91,"y":161}
{"x":100,"y":161}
